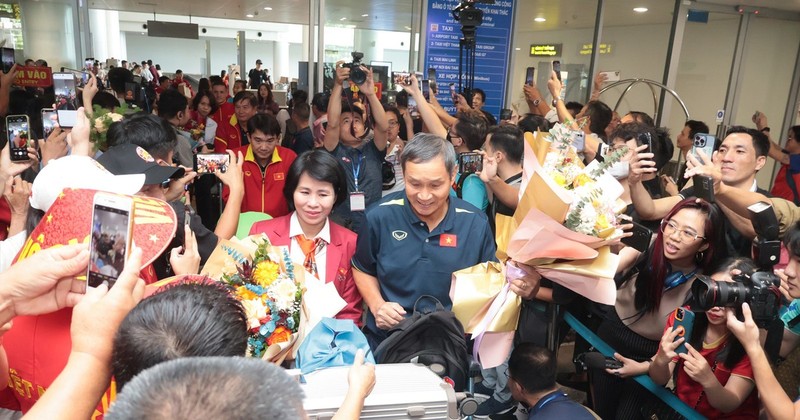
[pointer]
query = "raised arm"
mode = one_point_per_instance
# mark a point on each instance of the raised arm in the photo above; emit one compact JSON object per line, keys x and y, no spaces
{"x":646,"y":207}
{"x":426,"y":111}
{"x":446,"y":119}
{"x":335,"y":107}
{"x":555,"y":86}
{"x":378,"y":114}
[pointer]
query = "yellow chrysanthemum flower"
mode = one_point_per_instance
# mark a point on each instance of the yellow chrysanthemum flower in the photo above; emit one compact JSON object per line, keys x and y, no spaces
{"x":265,"y":273}
{"x":581,"y":180}
{"x":559,"y":179}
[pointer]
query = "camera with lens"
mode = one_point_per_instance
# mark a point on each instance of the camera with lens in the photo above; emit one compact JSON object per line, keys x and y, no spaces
{"x":760,"y":290}
{"x":357,"y":74}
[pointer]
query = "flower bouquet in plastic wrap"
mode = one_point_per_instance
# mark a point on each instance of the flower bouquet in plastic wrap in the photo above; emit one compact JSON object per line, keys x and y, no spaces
{"x":265,"y":280}
{"x":566,"y":216}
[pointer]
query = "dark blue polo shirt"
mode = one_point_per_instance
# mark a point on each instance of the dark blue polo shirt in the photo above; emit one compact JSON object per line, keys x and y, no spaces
{"x":557,"y":405}
{"x":409,"y":261}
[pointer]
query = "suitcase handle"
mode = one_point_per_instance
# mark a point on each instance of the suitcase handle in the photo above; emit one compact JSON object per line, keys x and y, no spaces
{"x":439,"y":306}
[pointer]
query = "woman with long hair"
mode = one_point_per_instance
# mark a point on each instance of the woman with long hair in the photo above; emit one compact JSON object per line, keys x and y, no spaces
{"x":714,"y":375}
{"x":200,"y":126}
{"x":266,"y":102}
{"x":651,"y":285}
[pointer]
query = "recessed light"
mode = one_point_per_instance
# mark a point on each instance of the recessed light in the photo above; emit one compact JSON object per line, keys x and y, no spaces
{"x":267,"y":8}
{"x":342,"y":19}
{"x":408,"y":28}
{"x":639,"y":9}
{"x":365,"y":15}
{"x":517,"y":49}
{"x":249,"y":15}
{"x":540,"y":19}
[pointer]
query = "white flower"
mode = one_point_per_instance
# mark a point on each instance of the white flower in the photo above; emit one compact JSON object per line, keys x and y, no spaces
{"x":283,"y":292}
{"x":255,"y":311}
{"x":114,"y":116}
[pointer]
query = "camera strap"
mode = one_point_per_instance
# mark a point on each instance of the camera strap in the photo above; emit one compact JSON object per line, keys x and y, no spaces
{"x":772,"y":345}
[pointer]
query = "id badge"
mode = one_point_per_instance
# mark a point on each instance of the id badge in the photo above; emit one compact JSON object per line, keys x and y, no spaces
{"x":357,"y":201}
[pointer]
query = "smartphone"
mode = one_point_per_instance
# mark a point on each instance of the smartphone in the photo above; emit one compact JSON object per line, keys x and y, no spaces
{"x":505,"y":114}
{"x":557,"y":69}
{"x":704,"y":187}
{"x":412,"y":107}
{"x":8,"y":59}
{"x":209,"y":163}
{"x":645,"y":138}
{"x":49,"y":121}
{"x":112,"y":221}
{"x":131,"y":92}
{"x":401,"y":78}
{"x":88,"y":64}
{"x":432,"y":79}
{"x":640,"y":240}
{"x":66,"y":99}
{"x":529,"y":72}
{"x":684,"y":318}
{"x":611,"y":76}
{"x":81,"y":76}
{"x":18,"y":130}
{"x":470,"y":162}
{"x":426,"y":89}
{"x":578,"y":140}
{"x":453,"y":93}
{"x":704,"y":142}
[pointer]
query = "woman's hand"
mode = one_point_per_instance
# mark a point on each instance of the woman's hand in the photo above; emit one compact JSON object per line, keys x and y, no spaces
{"x":640,"y":164}
{"x":696,"y":366}
{"x":666,"y":348}
{"x":629,"y":367}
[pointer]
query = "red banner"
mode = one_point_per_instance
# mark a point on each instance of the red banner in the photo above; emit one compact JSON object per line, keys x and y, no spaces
{"x":34,"y":76}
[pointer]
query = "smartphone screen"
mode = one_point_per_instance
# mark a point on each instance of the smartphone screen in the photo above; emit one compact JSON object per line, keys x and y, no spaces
{"x":131,"y":92}
{"x":557,"y":69}
{"x":426,"y":89}
{"x":82,"y":77}
{"x":432,"y":77}
{"x":685,"y":319}
{"x":529,"y":76}
{"x":49,"y":122}
{"x":505,"y":114}
{"x":470,"y":162}
{"x":412,"y":107}
{"x":8,"y":59}
{"x":110,"y":244}
{"x":18,"y":128}
{"x":66,"y":98}
{"x":453,"y":93}
{"x":209,"y":163}
{"x":88,"y":64}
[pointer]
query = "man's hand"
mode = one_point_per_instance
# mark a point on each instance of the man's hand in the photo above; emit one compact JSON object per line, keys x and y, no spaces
{"x":554,"y":85}
{"x":746,"y":332}
{"x":599,"y":79}
{"x":527,"y":285}
{"x":696,"y":366}
{"x":412,"y":87}
{"x":388,"y":315}
{"x":760,"y":120}
{"x":17,"y":192}
{"x":177,"y":187}
{"x":489,"y":171}
{"x":232,"y":177}
{"x":185,"y":259}
{"x":705,"y":167}
{"x":342,"y":73}
{"x":368,"y":87}
{"x":461,"y":103}
{"x":41,"y":283}
{"x":97,"y":317}
{"x":9,"y":168}
{"x":7,"y":79}
{"x":640,"y":164}
{"x":78,"y":138}
{"x":669,"y":185}
{"x":55,"y":146}
{"x":361,"y":376}
{"x":89,"y":91}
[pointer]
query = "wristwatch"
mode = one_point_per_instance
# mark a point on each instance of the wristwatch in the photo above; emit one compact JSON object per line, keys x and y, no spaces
{"x":765,"y":129}
{"x":555,"y":102}
{"x":536,"y":102}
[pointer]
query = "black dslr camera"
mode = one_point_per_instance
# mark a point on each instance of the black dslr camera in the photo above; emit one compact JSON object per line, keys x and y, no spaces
{"x":357,"y":75}
{"x":761,"y":290}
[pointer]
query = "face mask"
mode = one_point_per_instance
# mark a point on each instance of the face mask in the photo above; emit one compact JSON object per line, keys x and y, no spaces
{"x":620,"y":169}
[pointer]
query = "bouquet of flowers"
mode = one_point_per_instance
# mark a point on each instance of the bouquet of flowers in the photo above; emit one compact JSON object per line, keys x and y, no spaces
{"x":270,"y":292}
{"x":102,"y":119}
{"x":196,"y":130}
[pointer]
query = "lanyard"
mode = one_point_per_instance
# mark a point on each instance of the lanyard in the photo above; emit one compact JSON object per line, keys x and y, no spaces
{"x":357,"y":167}
{"x":541,"y":404}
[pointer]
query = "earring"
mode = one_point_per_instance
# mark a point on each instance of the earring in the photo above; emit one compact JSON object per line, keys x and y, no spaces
{"x":698,"y":257}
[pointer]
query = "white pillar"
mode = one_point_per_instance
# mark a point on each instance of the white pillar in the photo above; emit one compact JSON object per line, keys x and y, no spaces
{"x":112,"y":32}
{"x":280,"y":61}
{"x":366,"y":41}
{"x":49,"y":31}
{"x":99,"y":31}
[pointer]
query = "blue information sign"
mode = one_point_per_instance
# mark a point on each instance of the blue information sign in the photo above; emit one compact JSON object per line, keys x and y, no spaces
{"x":492,"y":44}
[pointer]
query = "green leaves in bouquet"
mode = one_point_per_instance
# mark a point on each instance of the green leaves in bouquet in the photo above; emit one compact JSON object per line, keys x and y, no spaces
{"x":608,"y":161}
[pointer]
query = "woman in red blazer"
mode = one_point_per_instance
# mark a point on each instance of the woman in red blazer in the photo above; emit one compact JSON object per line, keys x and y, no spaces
{"x":315,"y":184}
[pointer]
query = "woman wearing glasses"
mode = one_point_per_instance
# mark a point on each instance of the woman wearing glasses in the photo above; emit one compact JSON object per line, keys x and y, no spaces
{"x":651,"y":285}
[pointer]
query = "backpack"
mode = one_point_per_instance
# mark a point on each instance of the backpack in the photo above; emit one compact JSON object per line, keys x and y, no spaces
{"x":434,"y":338}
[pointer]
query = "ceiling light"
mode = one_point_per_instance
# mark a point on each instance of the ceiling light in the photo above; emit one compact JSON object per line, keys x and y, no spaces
{"x":639,"y":9}
{"x":408,"y":28}
{"x":517,"y":49}
{"x":267,"y":8}
{"x":342,"y":19}
{"x":249,"y":15}
{"x":540,"y":19}
{"x":365,"y":15}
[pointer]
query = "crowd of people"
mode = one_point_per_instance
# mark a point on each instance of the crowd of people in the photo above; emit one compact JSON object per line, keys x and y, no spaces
{"x":369,"y":196}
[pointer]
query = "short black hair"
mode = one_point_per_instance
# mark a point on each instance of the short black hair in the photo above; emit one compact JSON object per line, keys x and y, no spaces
{"x":472,"y":127}
{"x":163,"y":79}
{"x":151,"y":133}
{"x":186,"y":319}
{"x":320,"y":165}
{"x":241,"y":83}
{"x":479,"y":91}
{"x":695,"y":127}
{"x":302,"y":110}
{"x":508,"y":139}
{"x":179,"y":71}
{"x":117,"y":77}
{"x":394,"y":110}
{"x":791,"y":240}
{"x":401,"y":99}
{"x":170,"y":103}
{"x":246,"y":96}
{"x":105,"y":100}
{"x":320,"y":101}
{"x":760,"y":140}
{"x":211,"y":388}
{"x":642,"y":117}
{"x":265,"y":123}
{"x":533,"y":367}
{"x":533,"y":123}
{"x":600,"y":115}
{"x":574,"y":107}
{"x":633,"y":131}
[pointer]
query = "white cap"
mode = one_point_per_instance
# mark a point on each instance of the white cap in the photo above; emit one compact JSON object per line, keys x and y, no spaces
{"x":79,"y":172}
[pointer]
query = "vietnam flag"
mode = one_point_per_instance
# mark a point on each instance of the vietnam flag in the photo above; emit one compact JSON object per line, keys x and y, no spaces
{"x":448,"y":240}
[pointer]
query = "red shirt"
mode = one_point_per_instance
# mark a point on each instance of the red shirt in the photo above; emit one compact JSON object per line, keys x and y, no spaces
{"x":781,"y":188}
{"x":223,"y":114}
{"x":263,"y":190}
{"x":228,"y":137}
{"x":692,"y":394}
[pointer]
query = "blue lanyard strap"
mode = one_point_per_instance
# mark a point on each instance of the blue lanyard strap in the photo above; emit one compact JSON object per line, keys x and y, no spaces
{"x":357,"y":167}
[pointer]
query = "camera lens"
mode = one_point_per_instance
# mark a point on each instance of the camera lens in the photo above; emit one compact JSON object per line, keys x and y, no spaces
{"x":357,"y":75}
{"x":709,"y":293}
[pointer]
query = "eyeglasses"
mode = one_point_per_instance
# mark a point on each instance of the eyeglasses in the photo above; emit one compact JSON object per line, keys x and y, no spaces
{"x":668,"y":228}
{"x":268,"y":140}
{"x":393,"y":123}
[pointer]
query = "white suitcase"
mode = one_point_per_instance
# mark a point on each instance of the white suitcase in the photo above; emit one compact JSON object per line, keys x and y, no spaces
{"x":402,"y":391}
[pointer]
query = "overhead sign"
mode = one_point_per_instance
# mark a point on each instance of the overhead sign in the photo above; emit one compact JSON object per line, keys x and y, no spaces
{"x":546,"y":50}
{"x":586,"y":49}
{"x":492,"y":42}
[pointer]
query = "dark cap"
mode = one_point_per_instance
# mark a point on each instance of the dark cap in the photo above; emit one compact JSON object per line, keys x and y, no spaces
{"x":129,"y":159}
{"x":258,"y":61}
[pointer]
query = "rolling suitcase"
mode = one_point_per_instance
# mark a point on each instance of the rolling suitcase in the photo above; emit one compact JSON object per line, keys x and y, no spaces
{"x":402,"y":391}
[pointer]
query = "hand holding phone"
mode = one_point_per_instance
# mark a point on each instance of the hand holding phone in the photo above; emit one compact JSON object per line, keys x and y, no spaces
{"x":112,"y":223}
{"x":683,"y":318}
{"x":426,"y":89}
{"x":209,"y":163}
{"x":557,"y":69}
{"x":704,"y":142}
{"x":640,"y":238}
{"x":19,"y":137}
{"x":66,"y":99}
{"x":470,"y":162}
{"x":529,"y":75}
